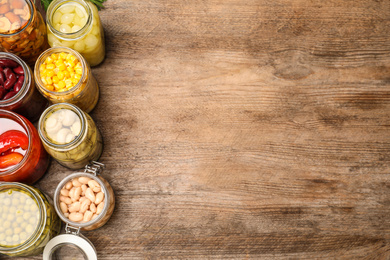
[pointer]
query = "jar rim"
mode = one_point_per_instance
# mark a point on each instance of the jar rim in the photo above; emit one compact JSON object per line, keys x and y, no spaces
{"x":51,"y":51}
{"x":26,"y":83}
{"x":42,"y":215}
{"x":32,"y":12}
{"x":54,"y":6}
{"x":57,"y":199}
{"x":23,"y":122}
{"x":75,"y":141}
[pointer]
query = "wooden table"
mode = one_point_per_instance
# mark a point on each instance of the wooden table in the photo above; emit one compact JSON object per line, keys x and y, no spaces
{"x":244,"y":129}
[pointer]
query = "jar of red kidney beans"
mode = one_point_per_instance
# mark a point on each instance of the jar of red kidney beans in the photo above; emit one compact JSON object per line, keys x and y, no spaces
{"x":22,"y":156}
{"x":17,"y":88}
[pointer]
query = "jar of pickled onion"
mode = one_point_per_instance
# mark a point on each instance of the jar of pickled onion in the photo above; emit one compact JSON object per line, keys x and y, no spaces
{"x":76,"y":24}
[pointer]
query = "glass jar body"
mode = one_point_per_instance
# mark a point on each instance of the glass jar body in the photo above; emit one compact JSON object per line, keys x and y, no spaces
{"x":30,"y":41}
{"x":88,"y":40}
{"x":87,"y":147}
{"x":28,"y":102}
{"x":35,"y":161}
{"x":106,"y":212}
{"x":48,"y":225}
{"x":84,"y":95}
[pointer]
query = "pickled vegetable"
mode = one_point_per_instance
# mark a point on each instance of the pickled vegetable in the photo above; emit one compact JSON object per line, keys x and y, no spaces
{"x":27,"y":220}
{"x":22,"y":156}
{"x":22,"y":29}
{"x":62,"y":75}
{"x":72,"y":140}
{"x":68,"y":26}
{"x":19,"y":218}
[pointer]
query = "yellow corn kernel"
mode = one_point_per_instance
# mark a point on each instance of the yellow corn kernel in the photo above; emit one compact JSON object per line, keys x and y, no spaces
{"x":50,"y":87}
{"x":44,"y":80}
{"x":78,"y":65}
{"x":44,"y":73}
{"x":55,"y":79}
{"x":49,"y":81}
{"x":50,"y":66}
{"x":61,"y":67}
{"x":54,"y":56}
{"x":79,"y":71}
{"x":58,"y":62}
{"x":63,"y":55}
{"x":61,"y":84}
{"x":67,"y":74}
{"x":68,"y":83}
{"x":60,"y":75}
{"x":50,"y":73}
{"x":42,"y":67}
{"x":49,"y":60}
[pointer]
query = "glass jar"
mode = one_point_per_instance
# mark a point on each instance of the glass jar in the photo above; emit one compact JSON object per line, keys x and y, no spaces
{"x":27,"y":102}
{"x":33,"y":160}
{"x":69,"y":135}
{"x":66,"y":199}
{"x":76,"y":24}
{"x":22,"y":30}
{"x":85,"y":94}
{"x":28,"y":220}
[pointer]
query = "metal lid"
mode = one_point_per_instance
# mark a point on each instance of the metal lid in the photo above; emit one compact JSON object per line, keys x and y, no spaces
{"x":76,"y":241}
{"x":17,"y":14}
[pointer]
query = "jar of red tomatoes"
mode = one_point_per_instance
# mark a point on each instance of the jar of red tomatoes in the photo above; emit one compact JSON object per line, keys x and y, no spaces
{"x":22,"y":156}
{"x":17,"y":88}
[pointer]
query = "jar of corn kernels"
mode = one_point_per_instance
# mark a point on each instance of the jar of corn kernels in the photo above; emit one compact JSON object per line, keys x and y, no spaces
{"x":76,"y":24}
{"x":63,"y":76}
{"x":22,"y":30}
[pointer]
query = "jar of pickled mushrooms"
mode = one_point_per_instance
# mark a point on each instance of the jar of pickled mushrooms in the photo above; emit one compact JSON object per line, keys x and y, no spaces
{"x":70,"y":135}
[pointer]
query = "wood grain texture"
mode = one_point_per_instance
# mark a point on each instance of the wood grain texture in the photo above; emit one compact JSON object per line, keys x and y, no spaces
{"x":244,"y":129}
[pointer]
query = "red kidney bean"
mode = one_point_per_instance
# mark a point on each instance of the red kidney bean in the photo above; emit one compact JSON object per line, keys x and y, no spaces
{"x":7,"y":72}
{"x":2,"y":77}
{"x":2,"y":92}
{"x":8,"y":63}
{"x":10,"y":82}
{"x":18,"y":85}
{"x":9,"y":95}
{"x":19,"y":70}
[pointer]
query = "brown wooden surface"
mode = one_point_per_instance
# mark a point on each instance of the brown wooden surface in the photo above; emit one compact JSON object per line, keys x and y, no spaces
{"x":244,"y":129}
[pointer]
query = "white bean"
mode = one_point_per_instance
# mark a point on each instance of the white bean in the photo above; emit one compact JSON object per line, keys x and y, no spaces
{"x":64,"y":207}
{"x":65,"y":192}
{"x":99,"y":198}
{"x":68,"y":185}
{"x":84,"y":180}
{"x":84,"y":206}
{"x":76,"y":216}
{"x":67,"y":200}
{"x":92,"y":184}
{"x":74,"y":207}
{"x":100,"y":208}
{"x":90,"y":195}
{"x":87,"y":216}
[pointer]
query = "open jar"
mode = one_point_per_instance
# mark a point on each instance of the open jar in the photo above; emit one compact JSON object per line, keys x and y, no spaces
{"x":22,"y":97}
{"x":76,"y":24}
{"x":84,"y":201}
{"x":22,"y":30}
{"x":63,"y":75}
{"x":22,"y":156}
{"x":70,"y":135}
{"x":28,"y":220}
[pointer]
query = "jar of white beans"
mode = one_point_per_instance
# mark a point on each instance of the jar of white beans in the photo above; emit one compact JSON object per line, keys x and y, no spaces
{"x":76,"y":24}
{"x":27,"y":220}
{"x":84,"y":201}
